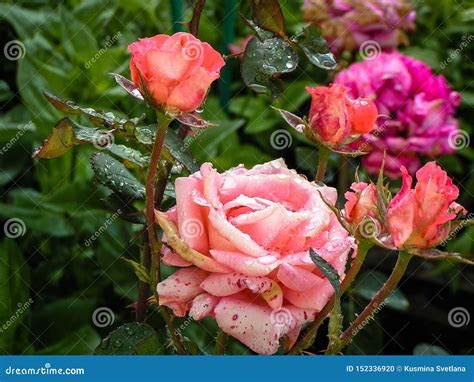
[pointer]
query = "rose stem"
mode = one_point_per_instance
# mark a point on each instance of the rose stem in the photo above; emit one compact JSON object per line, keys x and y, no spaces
{"x":155,"y":247}
{"x":377,"y":301}
{"x":322,"y":163}
{"x":221,"y":342}
{"x":198,"y":5}
{"x":310,"y":334}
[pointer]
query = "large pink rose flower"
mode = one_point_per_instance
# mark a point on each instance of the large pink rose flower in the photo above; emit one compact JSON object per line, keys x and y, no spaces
{"x":348,"y":24}
{"x":174,"y":72}
{"x":242,"y":240}
{"x":420,"y":217}
{"x":418,"y":107}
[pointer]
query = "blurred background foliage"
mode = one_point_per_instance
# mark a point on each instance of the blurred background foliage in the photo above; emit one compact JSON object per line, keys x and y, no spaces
{"x":71,"y":46}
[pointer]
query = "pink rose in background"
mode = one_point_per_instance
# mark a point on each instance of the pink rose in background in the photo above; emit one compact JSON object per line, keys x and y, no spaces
{"x":174,"y":72}
{"x":349,"y":24}
{"x":335,"y":116}
{"x":420,"y":217}
{"x":242,"y":240}
{"x":419,"y":108}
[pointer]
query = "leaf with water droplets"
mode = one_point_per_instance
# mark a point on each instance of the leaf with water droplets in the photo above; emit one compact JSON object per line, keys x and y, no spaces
{"x":293,"y":120}
{"x":128,"y":86}
{"x":132,"y":339}
{"x":114,"y":175}
{"x":180,"y":152}
{"x":98,"y":118}
{"x":268,"y":15}
{"x":129,"y":154}
{"x":316,"y":48}
{"x":263,"y":60}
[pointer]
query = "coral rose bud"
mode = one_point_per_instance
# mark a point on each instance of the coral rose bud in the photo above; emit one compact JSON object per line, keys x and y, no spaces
{"x":334,"y":116}
{"x":361,"y":202}
{"x":420,"y":217}
{"x":174,"y":72}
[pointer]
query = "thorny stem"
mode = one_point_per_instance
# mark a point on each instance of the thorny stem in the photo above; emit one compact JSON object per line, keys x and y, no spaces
{"x":198,"y":6}
{"x":310,"y":335}
{"x":377,"y":301}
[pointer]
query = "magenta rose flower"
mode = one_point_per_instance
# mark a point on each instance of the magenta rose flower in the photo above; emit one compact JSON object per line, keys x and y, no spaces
{"x":174,"y":72}
{"x":242,"y":240}
{"x":349,"y":24}
{"x":418,"y":107}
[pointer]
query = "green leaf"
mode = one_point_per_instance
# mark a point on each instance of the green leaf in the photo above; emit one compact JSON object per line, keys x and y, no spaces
{"x":262,"y":60}
{"x":5,"y":92}
{"x":428,"y":349}
{"x":60,"y":141}
{"x":124,"y":208}
{"x":368,"y":284}
{"x":140,"y":271}
{"x":316,"y":49}
{"x":25,"y":21}
{"x":98,"y":118}
{"x":114,"y":175}
{"x":179,"y":151}
{"x":268,"y":15}
{"x":336,"y":318}
{"x":129,"y":154}
{"x":132,"y":339}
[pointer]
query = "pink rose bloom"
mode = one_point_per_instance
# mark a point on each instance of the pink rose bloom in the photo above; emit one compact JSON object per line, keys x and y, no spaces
{"x":335,"y":116}
{"x":419,"y":108}
{"x":174,"y":72}
{"x":242,"y":240}
{"x":420,"y":217}
{"x":348,"y":24}
{"x":361,"y":202}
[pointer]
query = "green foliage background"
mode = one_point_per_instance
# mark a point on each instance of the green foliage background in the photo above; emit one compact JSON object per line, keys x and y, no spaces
{"x":71,"y":46}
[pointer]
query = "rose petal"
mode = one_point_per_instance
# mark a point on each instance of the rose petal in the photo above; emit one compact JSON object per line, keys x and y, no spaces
{"x":247,"y":265}
{"x":202,"y":306}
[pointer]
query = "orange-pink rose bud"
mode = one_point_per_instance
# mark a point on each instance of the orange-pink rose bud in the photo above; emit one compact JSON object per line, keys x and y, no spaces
{"x":361,"y":202}
{"x":420,"y":217}
{"x":174,"y":72}
{"x":335,"y":116}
